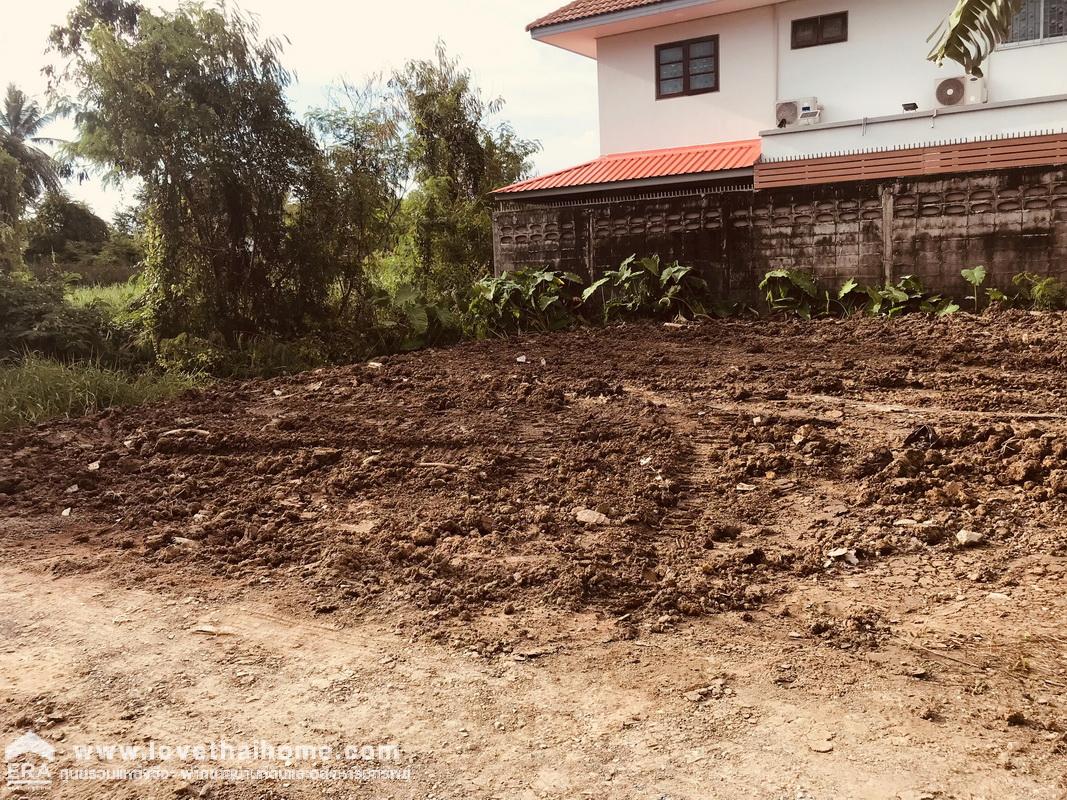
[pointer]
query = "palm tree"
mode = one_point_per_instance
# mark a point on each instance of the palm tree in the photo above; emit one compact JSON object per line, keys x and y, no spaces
{"x":21,"y":119}
{"x":971,"y":32}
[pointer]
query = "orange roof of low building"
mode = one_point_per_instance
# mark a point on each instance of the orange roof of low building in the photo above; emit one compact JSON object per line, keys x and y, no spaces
{"x":581,"y":9}
{"x":702,"y":159}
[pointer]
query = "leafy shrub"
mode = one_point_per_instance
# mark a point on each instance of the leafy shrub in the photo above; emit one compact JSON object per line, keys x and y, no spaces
{"x":35,"y":318}
{"x":906,"y":296}
{"x":797,"y":292}
{"x":523,"y":300}
{"x":407,"y":319}
{"x":37,"y":389}
{"x":645,"y":288}
{"x":793,"y":291}
{"x":851,"y":297}
{"x":252,"y":356}
{"x":1041,"y":292}
{"x":191,"y":355}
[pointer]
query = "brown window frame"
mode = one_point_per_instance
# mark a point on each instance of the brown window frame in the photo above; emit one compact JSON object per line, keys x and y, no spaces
{"x":687,"y":90}
{"x":820,"y":39}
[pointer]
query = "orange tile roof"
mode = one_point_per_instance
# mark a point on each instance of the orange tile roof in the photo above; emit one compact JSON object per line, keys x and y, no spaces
{"x":696,"y":160}
{"x":580,"y":9}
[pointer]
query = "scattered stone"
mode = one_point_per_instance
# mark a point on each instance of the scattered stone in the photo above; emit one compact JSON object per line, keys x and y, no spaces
{"x":94,"y":466}
{"x":65,"y":513}
{"x":184,"y":432}
{"x":521,"y":359}
{"x":969,"y":538}
{"x":588,"y":516}
{"x":841,"y":554}
{"x":822,"y":746}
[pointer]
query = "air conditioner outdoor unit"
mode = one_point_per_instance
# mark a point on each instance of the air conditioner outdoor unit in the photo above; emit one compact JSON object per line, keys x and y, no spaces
{"x":965,"y":90}
{"x":803,"y":111}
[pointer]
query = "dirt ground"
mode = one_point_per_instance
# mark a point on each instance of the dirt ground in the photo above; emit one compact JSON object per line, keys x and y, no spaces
{"x":733,"y":559}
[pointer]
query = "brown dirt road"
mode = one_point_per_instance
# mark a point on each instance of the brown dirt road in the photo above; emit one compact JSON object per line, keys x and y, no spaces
{"x":608,"y":564}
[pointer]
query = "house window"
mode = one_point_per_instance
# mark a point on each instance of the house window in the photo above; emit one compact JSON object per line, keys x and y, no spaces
{"x":1039,"y":19}
{"x":827,"y":29}
{"x":690,"y":67}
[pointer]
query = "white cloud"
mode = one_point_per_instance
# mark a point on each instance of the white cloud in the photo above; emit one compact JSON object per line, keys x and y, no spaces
{"x":550,"y":94}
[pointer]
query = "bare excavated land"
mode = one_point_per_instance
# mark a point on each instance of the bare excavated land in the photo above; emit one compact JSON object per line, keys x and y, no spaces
{"x":733,"y":559}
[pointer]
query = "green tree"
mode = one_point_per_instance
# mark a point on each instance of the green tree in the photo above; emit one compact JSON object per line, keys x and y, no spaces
{"x":366,"y":169}
{"x":65,"y":236}
{"x":457,"y":156}
{"x":11,"y":209}
{"x":192,"y":103}
{"x":21,"y":121}
{"x":60,"y":223}
{"x":972,"y":31}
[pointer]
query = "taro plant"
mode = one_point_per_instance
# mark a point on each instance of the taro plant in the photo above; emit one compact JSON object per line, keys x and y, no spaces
{"x":905,"y":296}
{"x":646,"y":288}
{"x":851,"y":297}
{"x":1041,"y":292}
{"x":976,"y":277}
{"x":523,"y":300}
{"x":794,"y":291}
{"x":407,"y":319}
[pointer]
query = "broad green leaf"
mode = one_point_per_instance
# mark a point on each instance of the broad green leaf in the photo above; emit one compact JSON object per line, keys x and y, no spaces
{"x":592,"y":288}
{"x":546,"y":300}
{"x":976,"y":276}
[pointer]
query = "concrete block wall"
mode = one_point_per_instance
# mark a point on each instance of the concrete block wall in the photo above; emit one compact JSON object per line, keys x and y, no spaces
{"x":932,"y":227}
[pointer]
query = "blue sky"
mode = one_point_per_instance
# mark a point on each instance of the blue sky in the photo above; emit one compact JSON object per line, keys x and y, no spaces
{"x":551,"y":94}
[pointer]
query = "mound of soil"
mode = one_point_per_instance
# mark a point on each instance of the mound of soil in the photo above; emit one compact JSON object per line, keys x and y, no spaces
{"x":645,"y":469}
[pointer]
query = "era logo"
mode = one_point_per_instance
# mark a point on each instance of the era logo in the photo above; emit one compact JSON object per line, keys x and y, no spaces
{"x":28,"y":762}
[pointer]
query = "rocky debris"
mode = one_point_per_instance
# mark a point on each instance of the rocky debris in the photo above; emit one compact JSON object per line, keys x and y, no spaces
{"x":715,"y":690}
{"x":841,"y":554}
{"x":588,"y":516}
{"x":969,"y":538}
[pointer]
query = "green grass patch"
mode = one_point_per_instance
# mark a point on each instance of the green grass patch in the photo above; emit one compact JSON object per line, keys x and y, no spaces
{"x":37,"y":389}
{"x":115,"y":296}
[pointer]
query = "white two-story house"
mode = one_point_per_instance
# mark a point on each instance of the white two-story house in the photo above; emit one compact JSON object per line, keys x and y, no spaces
{"x":801,"y":91}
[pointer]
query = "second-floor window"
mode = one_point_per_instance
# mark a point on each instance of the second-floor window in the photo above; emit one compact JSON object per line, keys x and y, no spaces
{"x":689,"y":67}
{"x":813,"y":31}
{"x":1039,"y":19}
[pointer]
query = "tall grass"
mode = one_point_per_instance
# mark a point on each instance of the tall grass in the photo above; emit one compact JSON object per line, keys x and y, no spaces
{"x":37,"y":389}
{"x":116,"y":296}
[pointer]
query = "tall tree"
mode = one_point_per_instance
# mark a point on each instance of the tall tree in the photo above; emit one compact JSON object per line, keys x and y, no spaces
{"x":21,"y":122}
{"x":367,"y":168}
{"x":11,"y":208}
{"x":972,"y":31}
{"x":192,"y":102}
{"x":458,"y":156}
